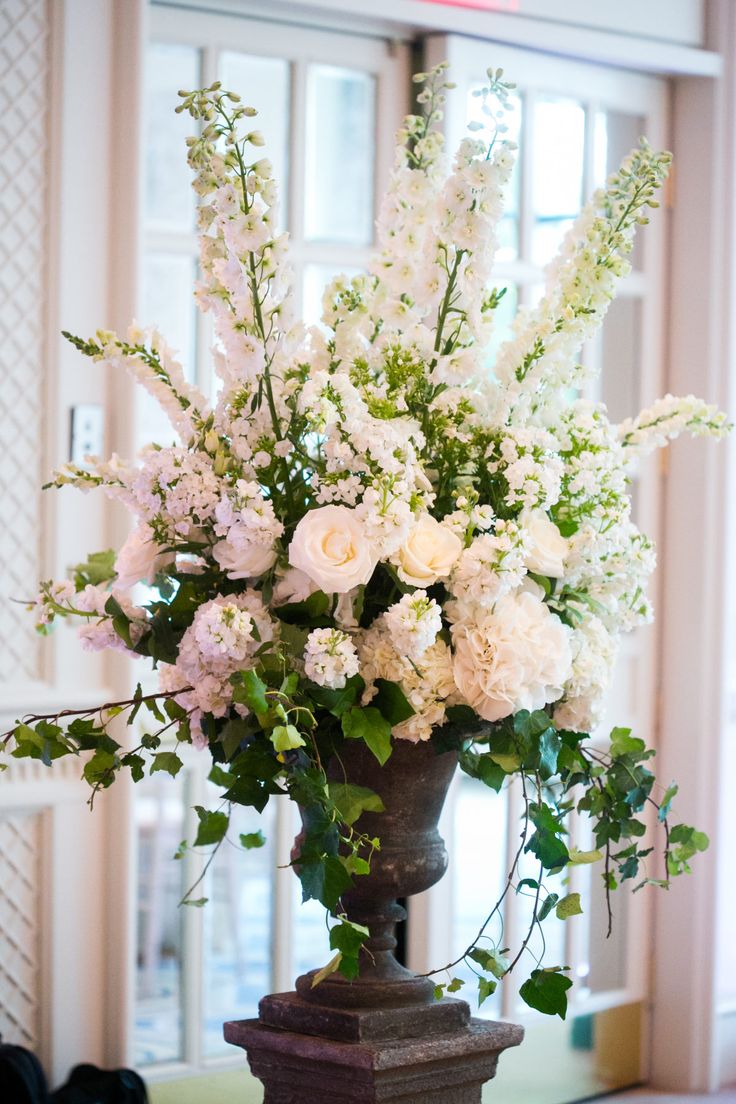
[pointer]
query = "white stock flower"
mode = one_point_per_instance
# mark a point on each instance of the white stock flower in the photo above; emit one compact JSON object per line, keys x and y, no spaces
{"x":546,"y":546}
{"x":329,"y":545}
{"x":515,"y":657}
{"x":413,"y":624}
{"x":240,"y":557}
{"x":140,"y":559}
{"x":428,"y":553}
{"x":330,"y":658}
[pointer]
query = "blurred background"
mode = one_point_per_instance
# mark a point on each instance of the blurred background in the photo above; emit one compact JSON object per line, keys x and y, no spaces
{"x":97,"y":962}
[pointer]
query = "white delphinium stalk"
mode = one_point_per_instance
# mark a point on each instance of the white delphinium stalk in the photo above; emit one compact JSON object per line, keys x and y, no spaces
{"x":666,"y":419}
{"x":539,"y":363}
{"x":330,"y":658}
{"x":528,"y":459}
{"x":413,"y":624}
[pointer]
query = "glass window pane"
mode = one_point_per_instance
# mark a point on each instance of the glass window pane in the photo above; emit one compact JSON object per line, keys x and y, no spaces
{"x":503,"y":318}
{"x":508,"y":230}
{"x":340,"y":155}
{"x":167,"y":302}
{"x":616,"y":133}
{"x":620,"y":348}
{"x":557,"y":167}
{"x":316,"y":279}
{"x":477,"y":871}
{"x":159,"y":822}
{"x":237,"y":927}
{"x":169,"y":199}
{"x":264,"y":83}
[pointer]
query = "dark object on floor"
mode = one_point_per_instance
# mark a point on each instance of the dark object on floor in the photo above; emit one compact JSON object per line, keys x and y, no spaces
{"x":22,"y":1079}
{"x":90,"y":1085}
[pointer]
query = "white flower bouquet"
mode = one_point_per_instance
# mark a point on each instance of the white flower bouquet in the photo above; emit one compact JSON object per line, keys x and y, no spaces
{"x":375,"y":532}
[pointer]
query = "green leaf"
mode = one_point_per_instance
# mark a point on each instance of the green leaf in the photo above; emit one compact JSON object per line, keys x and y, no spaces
{"x":507,"y":763}
{"x":98,"y":568}
{"x":666,"y":803}
{"x":337,"y":702}
{"x":251,"y":840}
{"x":332,"y":966}
{"x":391,"y":702}
{"x":579,"y":858}
{"x":100,"y":769}
{"x":370,"y":726}
{"x":195,"y":902}
{"x":286,"y":738}
{"x":549,"y":749}
{"x":546,"y":991}
{"x":212,"y":826}
{"x":351,"y":801}
{"x":167,"y":761}
{"x":233,"y":733}
{"x":136,"y":763}
{"x":623,"y":743}
{"x":439,"y":992}
{"x":547,"y":905}
{"x":324,"y":881}
{"x":493,"y":961}
{"x":250,"y":690}
{"x":569,"y":906}
{"x":486,"y":987}
{"x":455,"y":985}
{"x":220,"y":777}
{"x":348,"y":937}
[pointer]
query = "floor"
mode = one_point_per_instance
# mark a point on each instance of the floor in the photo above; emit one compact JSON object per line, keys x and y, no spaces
{"x":641,"y":1096}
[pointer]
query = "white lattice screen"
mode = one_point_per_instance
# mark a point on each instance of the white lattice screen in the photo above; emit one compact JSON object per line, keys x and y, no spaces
{"x":20,"y":876}
{"x":23,"y":263}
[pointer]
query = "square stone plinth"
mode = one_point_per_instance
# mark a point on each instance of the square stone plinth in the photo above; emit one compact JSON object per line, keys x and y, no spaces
{"x":444,"y":1068}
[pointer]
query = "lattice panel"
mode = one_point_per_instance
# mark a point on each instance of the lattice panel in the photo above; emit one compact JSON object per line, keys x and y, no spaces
{"x":23,"y":265}
{"x":20,"y":882}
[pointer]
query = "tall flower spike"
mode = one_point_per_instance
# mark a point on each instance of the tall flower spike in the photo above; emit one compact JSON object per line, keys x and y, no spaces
{"x":539,"y":362}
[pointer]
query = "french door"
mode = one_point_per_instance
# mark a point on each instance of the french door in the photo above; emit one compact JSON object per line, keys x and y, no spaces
{"x":573,"y":123}
{"x":329,"y":104}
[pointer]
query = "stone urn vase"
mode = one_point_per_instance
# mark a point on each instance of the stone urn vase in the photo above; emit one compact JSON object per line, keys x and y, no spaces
{"x":384,"y":1036}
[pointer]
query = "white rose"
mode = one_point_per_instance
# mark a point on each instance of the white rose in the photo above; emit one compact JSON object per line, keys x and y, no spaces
{"x":429,"y":552}
{"x":329,"y":545}
{"x":140,"y":558}
{"x":243,"y":559}
{"x":292,"y":586}
{"x":547,"y":547}
{"x":516,"y":657}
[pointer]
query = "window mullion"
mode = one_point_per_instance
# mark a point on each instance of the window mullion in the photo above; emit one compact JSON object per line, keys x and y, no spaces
{"x":297,"y":175}
{"x":193,"y":930}
{"x":282,"y":890}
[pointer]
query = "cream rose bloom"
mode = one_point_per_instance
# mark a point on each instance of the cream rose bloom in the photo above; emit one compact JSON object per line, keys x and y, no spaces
{"x":547,"y":548}
{"x":516,"y":657}
{"x":242,"y":558}
{"x":428,"y":553}
{"x":140,"y":559}
{"x":329,"y":545}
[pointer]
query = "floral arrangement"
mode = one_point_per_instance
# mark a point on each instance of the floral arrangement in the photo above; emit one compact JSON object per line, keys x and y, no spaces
{"x":375,"y":534}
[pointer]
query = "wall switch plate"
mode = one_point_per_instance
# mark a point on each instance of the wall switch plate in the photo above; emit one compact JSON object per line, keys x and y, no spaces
{"x":87,"y":432}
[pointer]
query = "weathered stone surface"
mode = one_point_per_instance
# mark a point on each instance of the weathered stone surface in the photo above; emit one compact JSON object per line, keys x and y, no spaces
{"x":306,"y":1069}
{"x":290,"y":1012}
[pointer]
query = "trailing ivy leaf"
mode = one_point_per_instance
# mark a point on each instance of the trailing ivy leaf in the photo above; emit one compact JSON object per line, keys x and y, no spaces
{"x":569,"y":906}
{"x":391,"y":702}
{"x":286,"y":738}
{"x":623,"y":743}
{"x":486,"y":987}
{"x":167,"y":761}
{"x":370,"y":726}
{"x":252,"y":840}
{"x":507,"y":763}
{"x":100,"y":769}
{"x":348,"y":937}
{"x":337,"y":702}
{"x":138,"y":700}
{"x":493,"y":961}
{"x":98,"y":568}
{"x":220,"y":777}
{"x":324,"y":881}
{"x":250,"y":690}
{"x":546,"y":991}
{"x":579,"y":858}
{"x":181,"y":850}
{"x":212,"y":826}
{"x":547,"y":905}
{"x":354,"y":864}
{"x":455,"y":985}
{"x":332,"y":966}
{"x":195,"y":902}
{"x":312,"y":609}
{"x":351,"y":801}
{"x":439,"y":992}
{"x":532,"y":883}
{"x":233,"y":733}
{"x":666,"y":803}
{"x":136,"y":763}
{"x":549,"y":749}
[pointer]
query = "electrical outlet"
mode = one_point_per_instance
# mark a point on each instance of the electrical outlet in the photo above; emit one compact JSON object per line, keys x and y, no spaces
{"x":87,"y":432}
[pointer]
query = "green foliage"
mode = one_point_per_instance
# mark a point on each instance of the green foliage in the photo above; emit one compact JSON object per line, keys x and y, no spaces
{"x":99,"y":567}
{"x":252,"y":840}
{"x":546,"y":991}
{"x":212,"y":827}
{"x":348,"y":938}
{"x":371,"y":727}
{"x":351,"y":801}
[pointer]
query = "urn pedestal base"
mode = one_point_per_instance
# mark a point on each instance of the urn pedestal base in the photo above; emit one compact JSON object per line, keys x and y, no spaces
{"x":423,"y":1054}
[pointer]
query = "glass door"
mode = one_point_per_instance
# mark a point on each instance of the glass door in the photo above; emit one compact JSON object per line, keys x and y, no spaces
{"x":329,"y":105}
{"x":573,"y":123}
